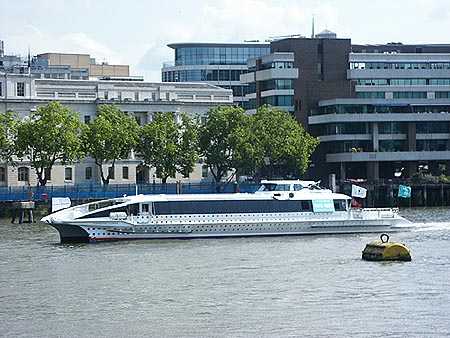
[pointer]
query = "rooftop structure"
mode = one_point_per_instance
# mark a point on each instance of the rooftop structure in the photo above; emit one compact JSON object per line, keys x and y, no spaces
{"x":219,"y":64}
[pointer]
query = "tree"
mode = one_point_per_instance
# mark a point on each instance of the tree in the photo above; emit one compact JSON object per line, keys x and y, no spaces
{"x":49,"y":135}
{"x":187,"y":145}
{"x":110,"y":137}
{"x":225,"y":141}
{"x":8,"y":135}
{"x":169,"y":146}
{"x":283,"y":146}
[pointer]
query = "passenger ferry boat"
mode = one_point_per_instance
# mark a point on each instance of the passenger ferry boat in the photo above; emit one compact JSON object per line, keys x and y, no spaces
{"x":277,"y":208}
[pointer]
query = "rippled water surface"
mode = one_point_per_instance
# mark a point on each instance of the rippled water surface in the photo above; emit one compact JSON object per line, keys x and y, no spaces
{"x":314,"y":286}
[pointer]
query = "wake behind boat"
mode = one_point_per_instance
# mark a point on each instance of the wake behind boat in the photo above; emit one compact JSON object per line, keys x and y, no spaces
{"x":290,"y":207}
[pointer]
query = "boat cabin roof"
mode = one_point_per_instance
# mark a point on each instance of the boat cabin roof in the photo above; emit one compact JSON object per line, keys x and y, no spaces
{"x":287,"y":185}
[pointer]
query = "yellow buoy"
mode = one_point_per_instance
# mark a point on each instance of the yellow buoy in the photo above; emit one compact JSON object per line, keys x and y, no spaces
{"x":382,"y":250}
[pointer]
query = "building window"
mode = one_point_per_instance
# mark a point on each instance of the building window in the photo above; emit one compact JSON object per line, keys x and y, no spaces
{"x":204,"y":171}
{"x":2,"y":174}
{"x":88,"y":173}
{"x":68,"y":174}
{"x":20,"y":89}
{"x":23,"y":174}
{"x":106,"y":95}
{"x":87,"y":119}
{"x":111,"y":172}
{"x":410,"y":95}
{"x":125,"y":175}
{"x":1,"y":93}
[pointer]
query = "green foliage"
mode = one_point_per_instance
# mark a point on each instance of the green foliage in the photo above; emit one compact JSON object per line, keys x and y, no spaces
{"x":269,"y":143}
{"x":110,"y":137}
{"x":284,"y":147}
{"x":224,"y":140}
{"x":168,"y":146}
{"x":8,"y":135}
{"x":50,"y":134}
{"x":187,"y":145}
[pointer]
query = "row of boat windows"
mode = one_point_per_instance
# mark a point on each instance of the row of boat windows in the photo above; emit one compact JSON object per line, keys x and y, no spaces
{"x":218,"y":207}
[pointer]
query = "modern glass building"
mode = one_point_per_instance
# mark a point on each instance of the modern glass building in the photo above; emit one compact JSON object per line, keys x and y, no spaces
{"x":398,"y":122}
{"x":219,"y":64}
{"x":270,"y":80}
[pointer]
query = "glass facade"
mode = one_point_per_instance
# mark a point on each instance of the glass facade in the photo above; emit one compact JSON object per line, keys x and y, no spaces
{"x":345,"y":128}
{"x":370,"y":95}
{"x":212,"y":55}
{"x":399,"y":65}
{"x":196,"y":75}
{"x":348,"y":146}
{"x":392,"y":128}
{"x":380,"y":109}
{"x":410,"y":95}
{"x":393,"y":145}
{"x":402,"y":82}
{"x":278,"y":100}
{"x":442,"y":95}
{"x":432,"y":127}
{"x":277,"y":65}
{"x":440,"y":82}
{"x":432,"y":145}
{"x":276,"y":84}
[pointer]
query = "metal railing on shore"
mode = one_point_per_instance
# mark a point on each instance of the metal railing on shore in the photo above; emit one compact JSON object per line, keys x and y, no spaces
{"x":94,"y":192}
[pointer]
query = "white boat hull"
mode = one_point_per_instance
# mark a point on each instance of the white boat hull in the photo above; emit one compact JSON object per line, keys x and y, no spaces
{"x":173,"y":227}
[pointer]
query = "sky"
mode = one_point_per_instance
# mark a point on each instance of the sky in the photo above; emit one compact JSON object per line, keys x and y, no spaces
{"x":136,"y":32}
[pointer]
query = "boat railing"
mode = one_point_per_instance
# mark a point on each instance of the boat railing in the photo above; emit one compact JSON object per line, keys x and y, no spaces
{"x":378,"y":212}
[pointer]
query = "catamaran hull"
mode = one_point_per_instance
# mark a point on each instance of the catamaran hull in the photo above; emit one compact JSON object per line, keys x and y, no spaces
{"x":70,"y":233}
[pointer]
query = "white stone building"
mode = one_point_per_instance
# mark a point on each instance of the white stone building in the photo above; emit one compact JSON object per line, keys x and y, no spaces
{"x":24,"y":93}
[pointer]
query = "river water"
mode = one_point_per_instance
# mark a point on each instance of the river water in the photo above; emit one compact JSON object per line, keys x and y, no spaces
{"x":310,"y":286}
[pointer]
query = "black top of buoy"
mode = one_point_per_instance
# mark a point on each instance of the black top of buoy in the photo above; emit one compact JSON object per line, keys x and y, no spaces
{"x":384,"y":238}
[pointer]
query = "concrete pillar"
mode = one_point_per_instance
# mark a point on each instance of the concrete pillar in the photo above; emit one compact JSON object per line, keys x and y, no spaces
{"x":375,"y":137}
{"x":411,"y":136}
{"x":373,"y":171}
{"x":342,"y":175}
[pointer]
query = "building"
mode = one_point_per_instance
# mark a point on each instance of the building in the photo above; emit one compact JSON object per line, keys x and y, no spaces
{"x":321,"y":68}
{"x":23,"y":93}
{"x":270,"y":80}
{"x":380,"y":111}
{"x":220,"y":64}
{"x":85,"y":61}
{"x":398,"y":122}
{"x":61,"y":66}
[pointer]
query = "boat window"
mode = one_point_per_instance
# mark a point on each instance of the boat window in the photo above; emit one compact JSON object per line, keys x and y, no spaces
{"x":283,"y":187}
{"x":274,"y":187}
{"x":298,"y":187}
{"x":145,"y":208}
{"x":323,"y":205}
{"x":102,"y":204}
{"x":306,"y":205}
{"x":268,"y":187}
{"x":230,"y":207}
{"x":105,"y":213}
{"x":133,"y":209}
{"x":340,"y":205}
